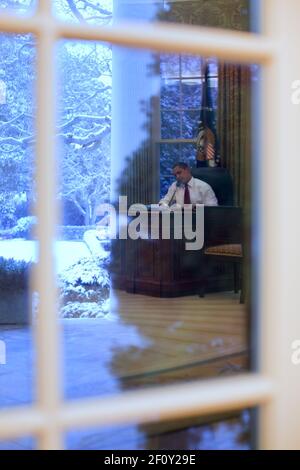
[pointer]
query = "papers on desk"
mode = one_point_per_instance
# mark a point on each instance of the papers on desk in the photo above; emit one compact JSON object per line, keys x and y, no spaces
{"x":174,"y":207}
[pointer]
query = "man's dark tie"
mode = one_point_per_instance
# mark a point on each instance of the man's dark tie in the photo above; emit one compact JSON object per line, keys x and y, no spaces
{"x":187,"y":198}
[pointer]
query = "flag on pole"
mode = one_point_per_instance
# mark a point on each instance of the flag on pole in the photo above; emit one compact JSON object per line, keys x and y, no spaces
{"x":206,"y":139}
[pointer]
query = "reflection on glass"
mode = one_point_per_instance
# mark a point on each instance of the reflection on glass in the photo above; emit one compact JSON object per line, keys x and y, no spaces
{"x":190,"y":124}
{"x":18,"y":6}
{"x":169,"y":65}
{"x":92,"y":12}
{"x":239,"y":16}
{"x":190,"y":65}
{"x":170,"y":91}
{"x":151,"y":312}
{"x":231,"y":432}
{"x":170,"y":124}
{"x":18,"y":250}
{"x":228,"y":14}
{"x":191,"y":93}
{"x":24,"y":443}
{"x":187,"y":153}
{"x":84,"y":158}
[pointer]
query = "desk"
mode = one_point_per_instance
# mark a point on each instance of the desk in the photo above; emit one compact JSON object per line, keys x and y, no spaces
{"x":164,"y":268}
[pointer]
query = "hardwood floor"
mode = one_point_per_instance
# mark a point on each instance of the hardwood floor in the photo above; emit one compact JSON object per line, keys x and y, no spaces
{"x":183,"y":338}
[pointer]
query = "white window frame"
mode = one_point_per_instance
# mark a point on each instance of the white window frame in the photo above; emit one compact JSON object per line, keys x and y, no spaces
{"x":275,"y":387}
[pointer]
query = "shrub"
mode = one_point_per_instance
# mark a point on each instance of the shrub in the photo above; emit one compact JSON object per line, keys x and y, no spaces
{"x":96,"y":244}
{"x":85,"y":310}
{"x":73,"y":232}
{"x":86,"y":271}
{"x":14,"y":274}
{"x":7,"y":210}
{"x":24,"y":227}
{"x":84,"y":289}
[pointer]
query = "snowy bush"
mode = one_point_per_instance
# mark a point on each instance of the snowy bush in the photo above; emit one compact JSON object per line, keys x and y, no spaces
{"x":7,"y":210}
{"x":85,"y":309}
{"x":96,"y":244}
{"x":73,"y":232}
{"x":87,"y":271}
{"x":84,"y":289}
{"x":82,"y":294}
{"x":24,"y":227}
{"x":14,"y":274}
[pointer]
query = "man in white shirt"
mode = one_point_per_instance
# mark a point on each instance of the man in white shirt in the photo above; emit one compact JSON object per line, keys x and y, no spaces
{"x":188,"y":190}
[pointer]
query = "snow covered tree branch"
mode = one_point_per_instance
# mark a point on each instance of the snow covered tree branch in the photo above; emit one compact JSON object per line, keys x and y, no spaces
{"x":84,"y":117}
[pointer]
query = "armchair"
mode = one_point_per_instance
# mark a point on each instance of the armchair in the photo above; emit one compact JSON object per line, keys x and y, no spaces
{"x":223,"y":243}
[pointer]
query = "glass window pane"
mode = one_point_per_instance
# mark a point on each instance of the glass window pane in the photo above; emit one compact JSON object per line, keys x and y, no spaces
{"x":16,"y":353}
{"x":188,"y":153}
{"x":170,"y":94}
{"x":18,"y":245}
{"x":191,"y":94}
{"x":170,"y":125}
{"x":131,"y":308}
{"x":213,"y":66}
{"x":84,"y":158}
{"x":213,"y":84}
{"x":169,"y":154}
{"x":228,"y":14}
{"x":18,"y":6}
{"x":194,"y":95}
{"x":23,"y":443}
{"x":91,"y":12}
{"x":169,"y":65}
{"x":191,"y":66}
{"x":241,"y":16}
{"x":230,"y":432}
{"x":166,"y":165}
{"x":190,"y":124}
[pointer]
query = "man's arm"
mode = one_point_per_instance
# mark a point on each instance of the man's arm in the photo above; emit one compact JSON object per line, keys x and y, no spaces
{"x":170,"y":196}
{"x":209,"y":197}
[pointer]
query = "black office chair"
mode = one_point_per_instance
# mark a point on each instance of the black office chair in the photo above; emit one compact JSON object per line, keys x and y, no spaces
{"x":220,"y":180}
{"x":223,"y":226}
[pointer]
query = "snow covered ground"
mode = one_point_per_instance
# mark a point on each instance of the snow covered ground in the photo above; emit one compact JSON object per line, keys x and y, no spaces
{"x":66,"y":252}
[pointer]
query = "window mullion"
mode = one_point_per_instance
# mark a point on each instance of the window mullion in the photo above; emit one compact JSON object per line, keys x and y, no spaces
{"x":48,"y":344}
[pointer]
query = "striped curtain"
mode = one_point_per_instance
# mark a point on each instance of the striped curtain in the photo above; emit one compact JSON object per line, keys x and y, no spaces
{"x":234,"y":126}
{"x":234,"y":130}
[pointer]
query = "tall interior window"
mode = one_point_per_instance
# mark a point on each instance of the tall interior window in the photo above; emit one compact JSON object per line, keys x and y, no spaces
{"x":185,"y":83}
